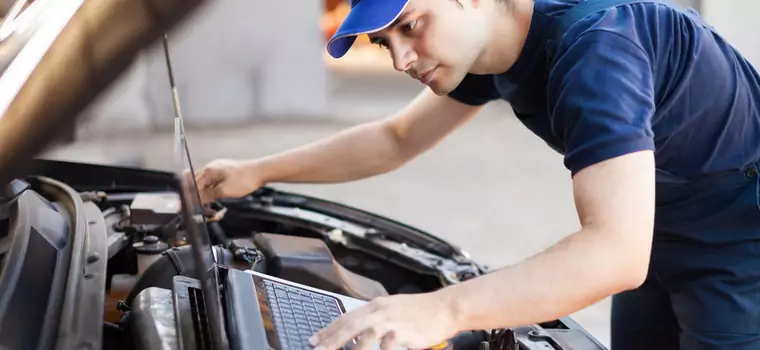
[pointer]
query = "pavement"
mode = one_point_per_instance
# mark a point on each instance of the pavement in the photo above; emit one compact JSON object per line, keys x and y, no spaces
{"x":491,"y":187}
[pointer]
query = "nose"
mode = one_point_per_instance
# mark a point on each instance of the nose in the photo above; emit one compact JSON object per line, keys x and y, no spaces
{"x":403,"y":56}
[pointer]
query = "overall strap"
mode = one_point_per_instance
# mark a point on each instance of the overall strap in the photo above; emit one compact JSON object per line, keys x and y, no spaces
{"x":555,"y":32}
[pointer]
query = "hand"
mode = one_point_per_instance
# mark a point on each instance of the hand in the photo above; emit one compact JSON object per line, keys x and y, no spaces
{"x":413,"y":321}
{"x":225,"y":178}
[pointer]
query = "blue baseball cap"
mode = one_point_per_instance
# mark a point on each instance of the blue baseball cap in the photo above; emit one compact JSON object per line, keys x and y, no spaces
{"x":366,"y":16}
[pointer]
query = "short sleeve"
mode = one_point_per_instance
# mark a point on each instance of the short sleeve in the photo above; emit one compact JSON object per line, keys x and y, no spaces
{"x":475,"y":90}
{"x":601,"y":99}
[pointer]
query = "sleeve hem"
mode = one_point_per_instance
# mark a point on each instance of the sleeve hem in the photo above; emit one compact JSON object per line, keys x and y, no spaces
{"x":576,"y":164}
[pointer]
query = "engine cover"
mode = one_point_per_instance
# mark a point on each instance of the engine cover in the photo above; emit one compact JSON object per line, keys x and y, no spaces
{"x":152,"y":320}
{"x":309,"y":261}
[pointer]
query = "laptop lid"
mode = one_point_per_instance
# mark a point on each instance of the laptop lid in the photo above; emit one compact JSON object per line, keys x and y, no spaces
{"x":196,"y":228}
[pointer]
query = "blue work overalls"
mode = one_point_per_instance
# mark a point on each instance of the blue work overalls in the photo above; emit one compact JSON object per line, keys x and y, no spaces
{"x":703,"y":287}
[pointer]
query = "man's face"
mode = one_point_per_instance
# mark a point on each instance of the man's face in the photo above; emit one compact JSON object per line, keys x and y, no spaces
{"x":436,"y":41}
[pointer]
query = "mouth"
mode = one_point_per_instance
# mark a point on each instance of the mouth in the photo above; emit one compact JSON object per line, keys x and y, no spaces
{"x":428,"y":76}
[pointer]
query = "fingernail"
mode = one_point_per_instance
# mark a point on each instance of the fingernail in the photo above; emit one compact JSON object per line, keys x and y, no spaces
{"x":313,"y":340}
{"x":319,"y":348}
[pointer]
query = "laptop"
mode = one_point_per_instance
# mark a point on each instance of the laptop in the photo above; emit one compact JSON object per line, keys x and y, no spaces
{"x":223,"y":308}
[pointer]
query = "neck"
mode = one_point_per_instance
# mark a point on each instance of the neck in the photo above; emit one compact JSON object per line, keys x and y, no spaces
{"x":508,"y":32}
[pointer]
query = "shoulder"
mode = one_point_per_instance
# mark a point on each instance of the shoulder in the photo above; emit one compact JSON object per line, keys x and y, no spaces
{"x":601,"y":87}
{"x":646,"y":25}
{"x":618,"y":43}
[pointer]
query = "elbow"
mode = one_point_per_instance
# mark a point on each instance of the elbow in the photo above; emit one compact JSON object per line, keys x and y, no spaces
{"x":396,"y":162}
{"x":625,"y":275}
{"x":400,"y":150}
{"x":629,"y":257}
{"x":634,"y":266}
{"x":636,"y":273}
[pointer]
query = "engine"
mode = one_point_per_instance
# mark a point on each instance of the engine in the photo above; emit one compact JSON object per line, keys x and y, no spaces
{"x":86,"y":268}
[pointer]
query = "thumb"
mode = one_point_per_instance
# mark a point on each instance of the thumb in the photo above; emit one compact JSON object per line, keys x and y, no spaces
{"x":209,"y":177}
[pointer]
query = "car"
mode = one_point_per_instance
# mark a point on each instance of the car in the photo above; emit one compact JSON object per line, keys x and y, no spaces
{"x":91,"y":254}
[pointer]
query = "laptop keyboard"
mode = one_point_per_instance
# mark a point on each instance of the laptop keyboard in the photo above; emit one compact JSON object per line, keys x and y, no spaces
{"x":297,"y":313}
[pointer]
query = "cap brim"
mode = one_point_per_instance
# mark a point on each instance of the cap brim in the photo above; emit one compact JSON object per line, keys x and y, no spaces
{"x":368,"y":16}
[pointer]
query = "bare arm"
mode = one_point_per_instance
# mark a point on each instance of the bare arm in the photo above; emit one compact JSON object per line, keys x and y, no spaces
{"x":610,"y":254}
{"x":368,"y":149}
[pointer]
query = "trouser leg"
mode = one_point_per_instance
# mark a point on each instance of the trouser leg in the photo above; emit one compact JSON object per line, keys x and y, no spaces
{"x":696,"y":296}
{"x":643,"y":319}
{"x":715,"y":293}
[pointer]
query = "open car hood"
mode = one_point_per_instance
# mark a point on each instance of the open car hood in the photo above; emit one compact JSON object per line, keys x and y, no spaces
{"x":57,"y":56}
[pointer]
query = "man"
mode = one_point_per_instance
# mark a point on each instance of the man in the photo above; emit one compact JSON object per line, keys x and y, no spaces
{"x":640,"y":97}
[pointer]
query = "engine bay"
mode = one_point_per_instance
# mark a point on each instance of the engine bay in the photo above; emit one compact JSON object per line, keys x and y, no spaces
{"x":89,"y":263}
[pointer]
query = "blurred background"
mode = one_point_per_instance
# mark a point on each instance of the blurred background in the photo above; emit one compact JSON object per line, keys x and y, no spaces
{"x":254,"y":79}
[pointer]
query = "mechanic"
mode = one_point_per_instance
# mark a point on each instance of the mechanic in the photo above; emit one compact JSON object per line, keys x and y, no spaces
{"x":658,"y":119}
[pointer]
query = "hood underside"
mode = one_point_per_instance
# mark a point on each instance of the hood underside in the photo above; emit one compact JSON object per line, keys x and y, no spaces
{"x":61,"y":56}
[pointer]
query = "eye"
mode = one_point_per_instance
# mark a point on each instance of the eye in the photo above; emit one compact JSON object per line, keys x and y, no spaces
{"x":381,"y":43}
{"x":408,"y":27}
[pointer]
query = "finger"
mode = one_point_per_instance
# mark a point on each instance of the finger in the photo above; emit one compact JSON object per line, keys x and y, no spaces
{"x":389,"y":342}
{"x":216,"y":193}
{"x":341,"y":323}
{"x":369,"y":338}
{"x":210,"y":194}
{"x":366,"y":329}
{"x":354,"y":323}
{"x":201,"y":179}
{"x":207,"y":178}
{"x":200,"y":171}
{"x":345,"y":328}
{"x":346,"y":320}
{"x":205,"y":197}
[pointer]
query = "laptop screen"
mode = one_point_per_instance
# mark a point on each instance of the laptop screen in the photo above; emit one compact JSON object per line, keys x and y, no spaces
{"x":195,"y":224}
{"x":198,"y":236}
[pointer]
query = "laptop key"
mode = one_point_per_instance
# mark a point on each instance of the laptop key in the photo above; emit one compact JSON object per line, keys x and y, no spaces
{"x":297,"y":313}
{"x":284,"y":344}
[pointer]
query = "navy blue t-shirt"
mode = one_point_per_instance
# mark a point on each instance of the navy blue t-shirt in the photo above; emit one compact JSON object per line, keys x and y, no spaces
{"x":635,"y":77}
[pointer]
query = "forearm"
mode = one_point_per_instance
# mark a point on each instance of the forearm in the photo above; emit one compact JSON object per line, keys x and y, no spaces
{"x":355,"y":153}
{"x":369,"y":149}
{"x":579,"y":271}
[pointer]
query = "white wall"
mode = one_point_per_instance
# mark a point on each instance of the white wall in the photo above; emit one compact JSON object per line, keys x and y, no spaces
{"x":234,"y":61}
{"x":736,"y":20}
